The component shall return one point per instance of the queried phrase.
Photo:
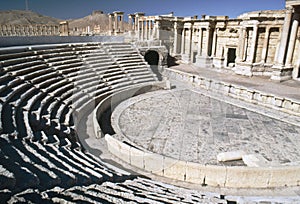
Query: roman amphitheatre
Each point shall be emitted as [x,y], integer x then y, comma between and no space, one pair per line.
[157,109]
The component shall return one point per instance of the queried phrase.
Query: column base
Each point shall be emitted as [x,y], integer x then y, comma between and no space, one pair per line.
[243,68]
[296,73]
[202,61]
[218,62]
[186,58]
[281,73]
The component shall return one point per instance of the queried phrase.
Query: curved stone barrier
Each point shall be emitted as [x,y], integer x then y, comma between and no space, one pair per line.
[218,176]
[284,104]
[111,101]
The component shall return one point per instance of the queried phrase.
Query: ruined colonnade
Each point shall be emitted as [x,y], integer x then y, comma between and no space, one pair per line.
[29,30]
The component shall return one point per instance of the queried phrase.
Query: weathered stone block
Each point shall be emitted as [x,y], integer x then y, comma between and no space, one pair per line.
[118,148]
[287,104]
[174,169]
[264,98]
[296,107]
[137,158]
[247,177]
[269,100]
[124,152]
[194,173]
[112,145]
[208,83]
[255,160]
[257,96]
[226,88]
[216,86]
[202,82]
[278,101]
[230,156]
[246,94]
[234,91]
[214,175]
[285,176]
[154,163]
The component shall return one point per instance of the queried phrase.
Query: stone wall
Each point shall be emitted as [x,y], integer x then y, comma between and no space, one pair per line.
[39,40]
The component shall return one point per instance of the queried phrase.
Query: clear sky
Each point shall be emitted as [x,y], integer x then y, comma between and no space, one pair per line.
[66,9]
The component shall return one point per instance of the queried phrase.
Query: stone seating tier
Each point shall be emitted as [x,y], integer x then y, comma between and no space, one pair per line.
[42,89]
[1,128]
[50,164]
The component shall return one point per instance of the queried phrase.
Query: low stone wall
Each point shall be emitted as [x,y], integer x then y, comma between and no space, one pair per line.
[110,102]
[197,173]
[38,40]
[287,105]
[218,176]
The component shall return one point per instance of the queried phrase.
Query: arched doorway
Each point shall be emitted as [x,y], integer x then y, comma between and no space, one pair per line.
[152,57]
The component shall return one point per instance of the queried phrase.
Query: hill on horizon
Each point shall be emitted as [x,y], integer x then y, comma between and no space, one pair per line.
[22,17]
[97,18]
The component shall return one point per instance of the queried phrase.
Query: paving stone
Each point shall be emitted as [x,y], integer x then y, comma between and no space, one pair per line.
[189,125]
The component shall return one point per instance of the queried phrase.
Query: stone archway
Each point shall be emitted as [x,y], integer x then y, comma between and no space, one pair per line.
[153,59]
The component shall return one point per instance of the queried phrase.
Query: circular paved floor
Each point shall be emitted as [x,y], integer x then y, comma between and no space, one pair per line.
[189,126]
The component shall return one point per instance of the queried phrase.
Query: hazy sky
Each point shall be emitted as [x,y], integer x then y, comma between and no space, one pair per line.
[66,9]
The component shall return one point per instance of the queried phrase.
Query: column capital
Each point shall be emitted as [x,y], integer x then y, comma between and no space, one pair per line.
[289,9]
[188,26]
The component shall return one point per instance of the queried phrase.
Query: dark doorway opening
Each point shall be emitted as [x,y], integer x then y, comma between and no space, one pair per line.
[152,57]
[231,55]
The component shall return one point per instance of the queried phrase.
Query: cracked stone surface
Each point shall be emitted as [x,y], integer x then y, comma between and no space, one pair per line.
[187,125]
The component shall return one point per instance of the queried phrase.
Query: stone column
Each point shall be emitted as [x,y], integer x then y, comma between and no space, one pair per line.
[183,41]
[292,41]
[242,40]
[130,21]
[281,73]
[175,38]
[157,24]
[149,29]
[142,32]
[136,24]
[146,29]
[208,29]
[253,44]
[199,53]
[110,24]
[121,22]
[265,45]
[186,57]
[133,23]
[214,44]
[192,44]
[284,36]
[116,23]
[190,32]
[64,28]
[138,27]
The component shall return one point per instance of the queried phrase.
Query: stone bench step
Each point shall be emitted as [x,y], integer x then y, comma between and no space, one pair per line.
[20,66]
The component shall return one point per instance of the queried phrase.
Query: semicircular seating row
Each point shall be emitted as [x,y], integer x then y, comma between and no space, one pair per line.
[40,89]
[41,158]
